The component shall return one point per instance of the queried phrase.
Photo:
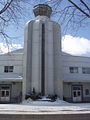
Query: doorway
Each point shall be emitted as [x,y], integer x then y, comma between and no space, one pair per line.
[5,95]
[77,93]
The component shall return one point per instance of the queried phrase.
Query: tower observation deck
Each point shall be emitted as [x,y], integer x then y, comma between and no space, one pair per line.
[42,10]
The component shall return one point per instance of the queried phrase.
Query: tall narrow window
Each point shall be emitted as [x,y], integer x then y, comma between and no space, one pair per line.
[43,60]
[86,91]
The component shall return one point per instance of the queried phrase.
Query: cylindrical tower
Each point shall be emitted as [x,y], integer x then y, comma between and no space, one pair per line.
[42,54]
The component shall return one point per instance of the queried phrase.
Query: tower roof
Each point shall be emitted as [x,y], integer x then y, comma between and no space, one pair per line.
[42,10]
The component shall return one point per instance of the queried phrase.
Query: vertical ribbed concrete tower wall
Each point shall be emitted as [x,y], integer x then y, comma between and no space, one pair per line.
[42,54]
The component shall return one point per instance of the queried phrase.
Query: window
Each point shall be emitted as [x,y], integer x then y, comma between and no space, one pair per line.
[79,93]
[73,69]
[74,94]
[3,94]
[76,87]
[87,92]
[86,70]
[8,69]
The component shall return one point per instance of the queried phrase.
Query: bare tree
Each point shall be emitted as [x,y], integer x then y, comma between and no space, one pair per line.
[11,14]
[73,15]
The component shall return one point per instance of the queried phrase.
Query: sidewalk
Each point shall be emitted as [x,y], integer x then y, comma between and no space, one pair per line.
[41,107]
[37,110]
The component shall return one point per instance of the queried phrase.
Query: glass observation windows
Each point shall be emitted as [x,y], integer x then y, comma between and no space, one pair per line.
[86,70]
[8,69]
[73,69]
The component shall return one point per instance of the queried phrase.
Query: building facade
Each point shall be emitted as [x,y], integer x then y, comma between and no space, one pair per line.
[76,78]
[42,66]
[11,77]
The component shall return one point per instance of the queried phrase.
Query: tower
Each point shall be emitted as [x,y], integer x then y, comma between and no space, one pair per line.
[42,54]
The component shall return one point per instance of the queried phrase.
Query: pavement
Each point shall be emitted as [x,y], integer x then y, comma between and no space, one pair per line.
[45,109]
[46,112]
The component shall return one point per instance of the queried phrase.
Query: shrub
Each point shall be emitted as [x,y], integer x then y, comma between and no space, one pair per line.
[52,97]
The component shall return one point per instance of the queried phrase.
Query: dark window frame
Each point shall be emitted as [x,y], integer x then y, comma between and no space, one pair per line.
[86,70]
[73,69]
[8,69]
[87,91]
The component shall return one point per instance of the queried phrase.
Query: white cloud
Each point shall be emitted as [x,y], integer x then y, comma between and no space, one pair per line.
[75,45]
[70,44]
[49,0]
[4,47]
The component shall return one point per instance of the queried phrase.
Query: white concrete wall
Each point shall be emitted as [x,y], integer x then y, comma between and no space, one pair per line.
[58,83]
[49,58]
[12,59]
[86,86]
[75,61]
[32,57]
[67,90]
[16,89]
[36,56]
[27,61]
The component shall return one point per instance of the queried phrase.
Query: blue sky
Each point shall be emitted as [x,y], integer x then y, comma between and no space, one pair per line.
[80,41]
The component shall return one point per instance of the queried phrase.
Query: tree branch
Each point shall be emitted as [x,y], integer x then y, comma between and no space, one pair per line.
[6,7]
[3,19]
[88,15]
[85,5]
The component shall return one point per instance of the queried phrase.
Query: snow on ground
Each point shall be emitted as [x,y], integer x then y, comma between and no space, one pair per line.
[44,101]
[35,107]
[58,105]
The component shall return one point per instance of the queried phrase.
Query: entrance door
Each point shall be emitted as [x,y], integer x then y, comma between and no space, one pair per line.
[5,95]
[76,93]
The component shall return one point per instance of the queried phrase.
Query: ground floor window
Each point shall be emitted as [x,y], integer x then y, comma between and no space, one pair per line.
[5,95]
[86,91]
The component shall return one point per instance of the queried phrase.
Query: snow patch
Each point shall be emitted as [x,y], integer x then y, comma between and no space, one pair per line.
[44,101]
